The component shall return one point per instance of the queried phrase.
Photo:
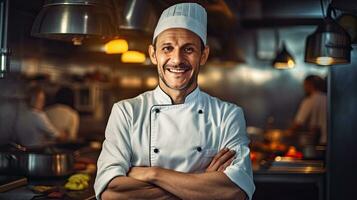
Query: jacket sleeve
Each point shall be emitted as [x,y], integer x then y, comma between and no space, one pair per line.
[114,159]
[74,125]
[240,170]
[45,126]
[304,111]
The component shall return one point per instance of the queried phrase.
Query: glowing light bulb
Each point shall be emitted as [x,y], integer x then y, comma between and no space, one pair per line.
[116,46]
[133,57]
[324,60]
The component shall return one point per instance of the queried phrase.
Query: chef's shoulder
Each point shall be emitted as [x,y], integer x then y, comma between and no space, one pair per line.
[225,109]
[135,104]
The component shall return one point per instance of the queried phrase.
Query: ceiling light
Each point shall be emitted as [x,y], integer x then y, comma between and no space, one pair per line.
[133,57]
[330,44]
[283,59]
[116,46]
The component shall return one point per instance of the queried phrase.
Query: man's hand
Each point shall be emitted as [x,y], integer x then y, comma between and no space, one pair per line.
[193,186]
[123,187]
[142,173]
[221,161]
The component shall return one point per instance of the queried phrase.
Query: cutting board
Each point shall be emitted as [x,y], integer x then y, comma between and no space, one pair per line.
[11,182]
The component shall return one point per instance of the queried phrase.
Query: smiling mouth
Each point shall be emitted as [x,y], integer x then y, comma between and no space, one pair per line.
[177,70]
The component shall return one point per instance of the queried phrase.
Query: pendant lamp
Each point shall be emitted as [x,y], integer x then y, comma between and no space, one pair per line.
[330,44]
[283,58]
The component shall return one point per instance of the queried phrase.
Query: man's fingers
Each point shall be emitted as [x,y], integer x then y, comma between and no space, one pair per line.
[217,156]
[224,158]
[220,159]
[226,164]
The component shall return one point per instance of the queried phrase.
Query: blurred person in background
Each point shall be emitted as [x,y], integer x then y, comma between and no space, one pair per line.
[312,113]
[63,115]
[33,128]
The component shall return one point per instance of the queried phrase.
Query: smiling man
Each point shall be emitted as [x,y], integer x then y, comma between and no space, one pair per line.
[176,142]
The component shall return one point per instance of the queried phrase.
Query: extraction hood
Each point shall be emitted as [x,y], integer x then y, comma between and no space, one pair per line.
[75,20]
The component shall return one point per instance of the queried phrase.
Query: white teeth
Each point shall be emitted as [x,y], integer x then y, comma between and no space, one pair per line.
[177,70]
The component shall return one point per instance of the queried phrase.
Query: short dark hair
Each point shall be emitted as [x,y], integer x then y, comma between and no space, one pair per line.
[317,82]
[65,95]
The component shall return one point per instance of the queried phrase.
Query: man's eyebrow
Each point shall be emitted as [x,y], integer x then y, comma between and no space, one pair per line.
[166,43]
[189,44]
[169,43]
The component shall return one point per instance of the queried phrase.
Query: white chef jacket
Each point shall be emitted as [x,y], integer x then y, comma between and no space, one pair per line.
[313,113]
[149,130]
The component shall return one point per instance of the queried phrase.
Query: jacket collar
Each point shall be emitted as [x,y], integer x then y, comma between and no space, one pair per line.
[163,98]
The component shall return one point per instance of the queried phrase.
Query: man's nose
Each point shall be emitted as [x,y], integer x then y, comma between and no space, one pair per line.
[176,57]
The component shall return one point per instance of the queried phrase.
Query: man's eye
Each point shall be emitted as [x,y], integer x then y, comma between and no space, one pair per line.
[167,49]
[189,50]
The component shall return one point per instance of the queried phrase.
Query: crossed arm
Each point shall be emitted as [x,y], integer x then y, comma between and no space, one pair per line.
[159,183]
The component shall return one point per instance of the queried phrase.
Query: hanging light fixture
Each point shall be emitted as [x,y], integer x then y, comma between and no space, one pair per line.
[283,58]
[133,57]
[330,44]
[116,46]
[74,20]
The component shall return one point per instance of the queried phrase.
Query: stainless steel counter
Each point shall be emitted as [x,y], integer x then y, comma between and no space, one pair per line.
[314,176]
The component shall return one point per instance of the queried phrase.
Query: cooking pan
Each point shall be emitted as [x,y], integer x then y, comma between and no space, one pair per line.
[46,161]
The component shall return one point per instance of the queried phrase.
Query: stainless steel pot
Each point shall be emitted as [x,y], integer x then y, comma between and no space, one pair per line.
[38,162]
[43,164]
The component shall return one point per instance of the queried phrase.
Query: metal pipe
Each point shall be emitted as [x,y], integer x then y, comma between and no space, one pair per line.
[4,51]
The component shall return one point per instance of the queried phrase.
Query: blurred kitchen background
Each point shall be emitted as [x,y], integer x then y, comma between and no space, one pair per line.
[245,37]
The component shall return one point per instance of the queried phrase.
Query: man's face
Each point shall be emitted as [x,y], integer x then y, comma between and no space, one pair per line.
[178,57]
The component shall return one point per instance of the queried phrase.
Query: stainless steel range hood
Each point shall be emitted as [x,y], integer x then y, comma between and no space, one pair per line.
[75,19]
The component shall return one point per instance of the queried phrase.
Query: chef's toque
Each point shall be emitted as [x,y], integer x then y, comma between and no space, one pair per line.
[190,16]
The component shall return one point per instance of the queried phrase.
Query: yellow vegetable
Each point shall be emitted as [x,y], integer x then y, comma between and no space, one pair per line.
[77,182]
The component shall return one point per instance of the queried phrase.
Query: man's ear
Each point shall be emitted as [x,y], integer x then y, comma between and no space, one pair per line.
[152,54]
[204,55]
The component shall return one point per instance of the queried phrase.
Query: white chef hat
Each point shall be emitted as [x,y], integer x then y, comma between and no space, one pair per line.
[190,16]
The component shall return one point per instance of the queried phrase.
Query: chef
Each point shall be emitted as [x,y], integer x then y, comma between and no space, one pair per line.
[312,113]
[176,142]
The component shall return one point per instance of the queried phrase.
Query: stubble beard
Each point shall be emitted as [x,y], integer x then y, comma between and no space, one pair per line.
[192,80]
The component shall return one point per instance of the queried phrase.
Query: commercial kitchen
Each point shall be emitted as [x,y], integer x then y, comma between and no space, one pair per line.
[261,51]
